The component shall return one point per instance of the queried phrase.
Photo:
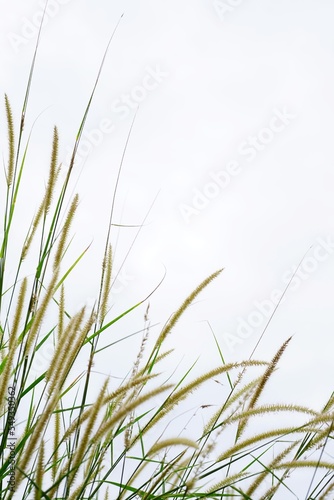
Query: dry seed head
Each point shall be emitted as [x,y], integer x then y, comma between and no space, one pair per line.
[163,475]
[261,477]
[107,399]
[146,312]
[78,457]
[328,490]
[167,443]
[126,409]
[329,404]
[169,470]
[206,452]
[53,171]
[70,355]
[61,312]
[32,231]
[262,383]
[142,380]
[176,316]
[137,389]
[268,373]
[242,445]
[272,490]
[40,472]
[41,425]
[19,310]
[322,435]
[186,390]
[107,271]
[65,231]
[225,482]
[12,342]
[40,313]
[304,464]
[227,404]
[275,408]
[176,397]
[63,347]
[135,370]
[74,425]
[95,459]
[11,142]
[56,442]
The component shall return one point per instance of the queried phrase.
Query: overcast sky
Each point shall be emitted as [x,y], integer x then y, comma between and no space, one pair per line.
[233,139]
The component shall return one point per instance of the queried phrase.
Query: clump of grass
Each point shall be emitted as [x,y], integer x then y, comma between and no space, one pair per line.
[59,441]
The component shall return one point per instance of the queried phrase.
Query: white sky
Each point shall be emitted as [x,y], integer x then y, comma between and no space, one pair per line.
[224,79]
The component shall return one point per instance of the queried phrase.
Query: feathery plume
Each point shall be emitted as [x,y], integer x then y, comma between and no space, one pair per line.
[63,346]
[11,142]
[107,270]
[262,383]
[40,472]
[4,379]
[176,316]
[261,477]
[32,231]
[77,459]
[126,409]
[56,443]
[61,313]
[65,230]
[176,397]
[52,172]
[41,311]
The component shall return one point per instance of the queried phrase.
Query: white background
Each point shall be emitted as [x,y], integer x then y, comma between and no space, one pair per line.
[227,74]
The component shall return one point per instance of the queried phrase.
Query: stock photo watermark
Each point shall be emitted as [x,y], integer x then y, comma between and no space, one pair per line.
[248,149]
[121,108]
[225,7]
[263,309]
[30,26]
[11,436]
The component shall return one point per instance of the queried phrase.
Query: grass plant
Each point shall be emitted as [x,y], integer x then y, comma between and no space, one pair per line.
[62,439]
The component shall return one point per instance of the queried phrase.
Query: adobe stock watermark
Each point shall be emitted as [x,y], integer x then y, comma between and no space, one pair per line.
[11,436]
[223,7]
[121,281]
[29,27]
[121,108]
[263,309]
[249,149]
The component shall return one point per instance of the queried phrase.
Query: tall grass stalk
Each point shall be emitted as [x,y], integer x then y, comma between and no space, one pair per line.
[63,439]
